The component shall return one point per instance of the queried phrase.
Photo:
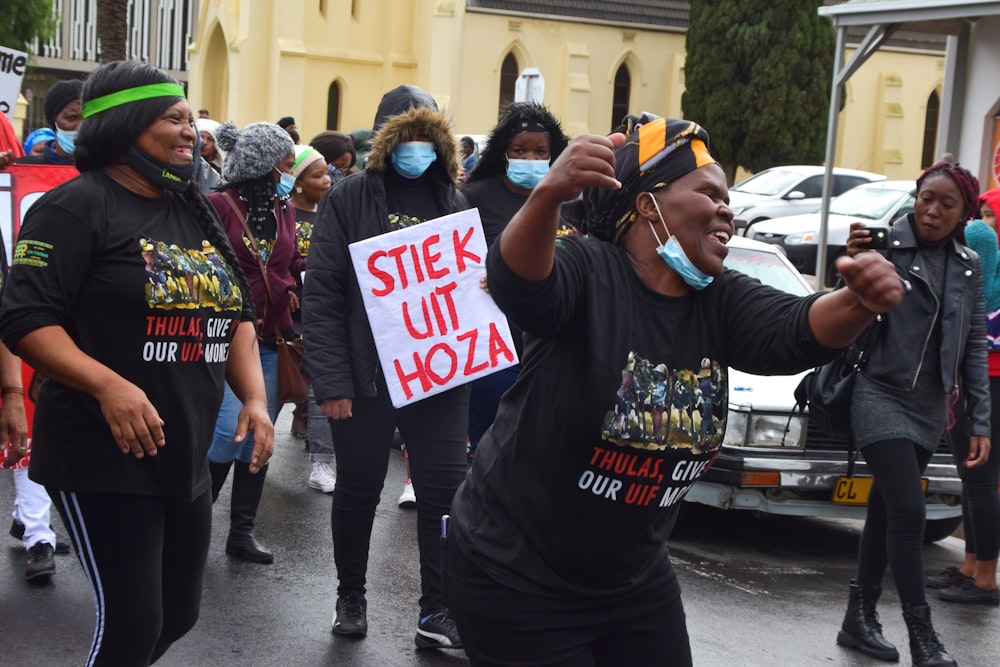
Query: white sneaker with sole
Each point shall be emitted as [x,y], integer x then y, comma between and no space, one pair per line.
[408,499]
[322,477]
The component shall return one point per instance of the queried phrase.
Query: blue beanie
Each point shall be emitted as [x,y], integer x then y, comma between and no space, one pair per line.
[980,237]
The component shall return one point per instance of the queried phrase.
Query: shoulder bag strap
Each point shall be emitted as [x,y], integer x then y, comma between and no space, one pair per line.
[263,267]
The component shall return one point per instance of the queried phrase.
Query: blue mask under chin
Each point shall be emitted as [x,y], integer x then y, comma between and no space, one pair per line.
[412,158]
[673,254]
[66,140]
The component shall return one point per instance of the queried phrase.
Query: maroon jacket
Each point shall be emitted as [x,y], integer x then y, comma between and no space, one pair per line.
[283,263]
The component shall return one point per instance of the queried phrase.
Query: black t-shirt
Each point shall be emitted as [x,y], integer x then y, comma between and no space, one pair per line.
[496,202]
[620,406]
[137,287]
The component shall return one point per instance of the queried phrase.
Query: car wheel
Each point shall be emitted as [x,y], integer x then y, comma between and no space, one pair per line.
[938,529]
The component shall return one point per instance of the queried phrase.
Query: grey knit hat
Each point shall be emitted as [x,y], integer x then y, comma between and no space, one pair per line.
[252,152]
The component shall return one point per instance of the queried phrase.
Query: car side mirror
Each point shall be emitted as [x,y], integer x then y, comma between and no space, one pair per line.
[795,194]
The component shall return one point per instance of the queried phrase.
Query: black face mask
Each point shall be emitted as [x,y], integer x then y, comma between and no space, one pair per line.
[175,177]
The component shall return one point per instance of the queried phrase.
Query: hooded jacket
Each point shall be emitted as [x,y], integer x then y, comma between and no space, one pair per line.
[341,358]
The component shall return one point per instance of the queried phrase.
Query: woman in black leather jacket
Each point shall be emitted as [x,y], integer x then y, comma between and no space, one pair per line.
[916,354]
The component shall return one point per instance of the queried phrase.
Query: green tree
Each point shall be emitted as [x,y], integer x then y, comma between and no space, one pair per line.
[757,77]
[23,21]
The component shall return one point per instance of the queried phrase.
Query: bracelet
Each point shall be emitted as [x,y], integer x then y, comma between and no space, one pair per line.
[11,390]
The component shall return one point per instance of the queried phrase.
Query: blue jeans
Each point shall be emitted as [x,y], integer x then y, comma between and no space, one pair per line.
[320,437]
[224,449]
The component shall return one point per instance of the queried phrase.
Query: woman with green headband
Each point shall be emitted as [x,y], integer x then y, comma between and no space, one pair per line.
[556,545]
[126,294]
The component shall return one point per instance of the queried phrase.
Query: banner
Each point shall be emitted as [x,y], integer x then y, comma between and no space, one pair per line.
[21,185]
[434,326]
[12,66]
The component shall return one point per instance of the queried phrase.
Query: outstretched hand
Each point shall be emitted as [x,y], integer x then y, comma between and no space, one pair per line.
[873,281]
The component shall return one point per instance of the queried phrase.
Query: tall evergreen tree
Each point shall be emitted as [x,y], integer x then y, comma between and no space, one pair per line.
[112,28]
[22,21]
[757,77]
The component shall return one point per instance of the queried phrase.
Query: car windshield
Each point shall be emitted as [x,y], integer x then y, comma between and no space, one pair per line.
[767,268]
[868,203]
[769,183]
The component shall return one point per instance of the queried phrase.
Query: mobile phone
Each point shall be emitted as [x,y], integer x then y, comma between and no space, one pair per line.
[879,238]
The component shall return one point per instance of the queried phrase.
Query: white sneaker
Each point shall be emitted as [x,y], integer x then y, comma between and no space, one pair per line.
[408,499]
[322,477]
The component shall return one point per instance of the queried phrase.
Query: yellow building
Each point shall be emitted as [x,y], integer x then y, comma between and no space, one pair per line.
[328,62]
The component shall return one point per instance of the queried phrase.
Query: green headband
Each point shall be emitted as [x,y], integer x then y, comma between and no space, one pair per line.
[302,157]
[99,104]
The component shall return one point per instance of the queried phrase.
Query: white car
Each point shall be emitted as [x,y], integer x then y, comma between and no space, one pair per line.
[874,204]
[790,190]
[771,461]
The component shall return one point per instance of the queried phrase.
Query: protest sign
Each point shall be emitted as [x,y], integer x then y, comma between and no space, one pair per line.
[21,185]
[12,66]
[434,326]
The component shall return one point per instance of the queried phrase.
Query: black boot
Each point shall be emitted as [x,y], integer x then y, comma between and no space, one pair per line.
[247,489]
[861,629]
[219,472]
[925,647]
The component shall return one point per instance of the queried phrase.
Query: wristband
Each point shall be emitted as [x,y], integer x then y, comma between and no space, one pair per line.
[11,390]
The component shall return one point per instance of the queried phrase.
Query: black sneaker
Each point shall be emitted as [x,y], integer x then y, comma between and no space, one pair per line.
[41,563]
[967,592]
[438,631]
[17,532]
[946,578]
[351,618]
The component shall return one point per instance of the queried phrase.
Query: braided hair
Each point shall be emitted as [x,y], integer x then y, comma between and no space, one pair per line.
[968,185]
[259,196]
[517,118]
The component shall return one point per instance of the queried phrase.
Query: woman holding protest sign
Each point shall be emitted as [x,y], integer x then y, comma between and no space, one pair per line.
[260,222]
[411,177]
[556,547]
[114,296]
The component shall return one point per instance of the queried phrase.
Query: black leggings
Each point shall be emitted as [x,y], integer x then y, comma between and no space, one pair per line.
[144,557]
[893,535]
[980,498]
[434,430]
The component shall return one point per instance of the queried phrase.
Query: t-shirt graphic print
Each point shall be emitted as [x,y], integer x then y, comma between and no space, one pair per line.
[188,278]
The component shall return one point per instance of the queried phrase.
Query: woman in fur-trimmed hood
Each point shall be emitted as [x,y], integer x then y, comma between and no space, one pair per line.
[411,177]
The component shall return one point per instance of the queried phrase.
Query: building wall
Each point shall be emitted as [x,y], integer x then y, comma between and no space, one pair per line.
[262,59]
[980,136]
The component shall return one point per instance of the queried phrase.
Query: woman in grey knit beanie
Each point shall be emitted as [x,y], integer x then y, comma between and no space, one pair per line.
[260,223]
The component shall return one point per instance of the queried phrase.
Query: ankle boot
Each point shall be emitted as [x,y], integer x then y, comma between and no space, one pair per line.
[861,629]
[925,647]
[247,489]
[219,472]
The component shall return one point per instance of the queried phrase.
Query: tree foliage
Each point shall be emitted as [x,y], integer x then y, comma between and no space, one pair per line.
[757,77]
[23,21]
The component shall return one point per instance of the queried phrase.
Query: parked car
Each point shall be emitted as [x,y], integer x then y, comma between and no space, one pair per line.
[790,190]
[773,461]
[875,204]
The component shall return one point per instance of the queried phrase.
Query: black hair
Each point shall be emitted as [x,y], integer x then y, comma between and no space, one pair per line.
[333,144]
[259,196]
[105,137]
[493,161]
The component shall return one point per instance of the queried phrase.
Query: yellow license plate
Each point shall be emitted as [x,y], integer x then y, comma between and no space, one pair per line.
[855,490]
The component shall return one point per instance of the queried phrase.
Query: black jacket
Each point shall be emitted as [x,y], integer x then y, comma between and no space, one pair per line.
[340,357]
[896,350]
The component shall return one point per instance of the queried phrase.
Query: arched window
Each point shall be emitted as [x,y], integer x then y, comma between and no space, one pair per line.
[620,96]
[333,107]
[930,130]
[508,80]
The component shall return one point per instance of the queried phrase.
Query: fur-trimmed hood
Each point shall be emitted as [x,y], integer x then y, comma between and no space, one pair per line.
[406,111]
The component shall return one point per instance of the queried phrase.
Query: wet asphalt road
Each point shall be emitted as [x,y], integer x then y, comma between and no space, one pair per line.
[758,592]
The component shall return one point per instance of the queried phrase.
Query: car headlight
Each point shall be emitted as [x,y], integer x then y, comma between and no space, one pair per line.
[799,238]
[771,431]
[777,431]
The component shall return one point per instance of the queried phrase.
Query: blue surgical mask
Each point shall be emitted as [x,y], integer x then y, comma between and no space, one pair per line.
[673,254]
[66,140]
[412,158]
[285,183]
[526,173]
